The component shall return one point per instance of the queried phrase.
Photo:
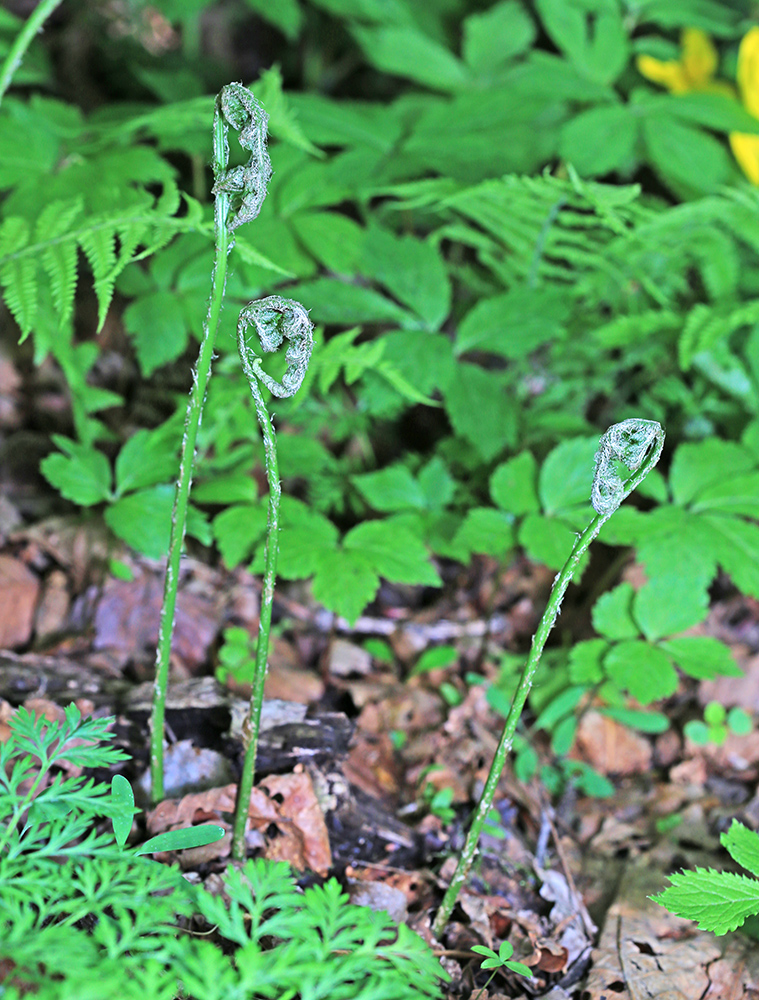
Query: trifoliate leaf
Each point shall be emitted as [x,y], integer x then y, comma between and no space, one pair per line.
[437,484]
[586,661]
[147,458]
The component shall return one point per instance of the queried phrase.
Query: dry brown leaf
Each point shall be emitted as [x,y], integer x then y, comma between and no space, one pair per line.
[19,590]
[301,807]
[610,747]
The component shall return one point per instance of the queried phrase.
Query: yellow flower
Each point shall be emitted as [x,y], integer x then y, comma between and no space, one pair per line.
[694,70]
[746,147]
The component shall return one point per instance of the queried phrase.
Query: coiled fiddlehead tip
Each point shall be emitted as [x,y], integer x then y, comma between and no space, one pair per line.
[276,319]
[629,443]
[238,108]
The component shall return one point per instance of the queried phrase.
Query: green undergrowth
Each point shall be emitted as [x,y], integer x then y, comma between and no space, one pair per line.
[82,916]
[508,239]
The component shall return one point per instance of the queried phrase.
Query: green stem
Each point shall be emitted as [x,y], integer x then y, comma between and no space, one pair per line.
[23,40]
[638,444]
[253,722]
[184,483]
[275,319]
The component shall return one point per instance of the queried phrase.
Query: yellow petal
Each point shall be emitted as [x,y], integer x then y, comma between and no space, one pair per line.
[748,71]
[699,57]
[670,74]
[746,151]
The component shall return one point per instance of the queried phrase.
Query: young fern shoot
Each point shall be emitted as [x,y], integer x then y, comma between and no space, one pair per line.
[636,444]
[275,319]
[239,193]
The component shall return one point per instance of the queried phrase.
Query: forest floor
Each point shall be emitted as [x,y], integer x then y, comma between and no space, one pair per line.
[368,766]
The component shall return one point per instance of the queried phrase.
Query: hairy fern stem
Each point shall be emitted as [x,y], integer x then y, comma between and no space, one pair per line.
[23,40]
[636,444]
[274,319]
[239,193]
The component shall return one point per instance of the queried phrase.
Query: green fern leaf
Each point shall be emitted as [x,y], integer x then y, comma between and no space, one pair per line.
[18,273]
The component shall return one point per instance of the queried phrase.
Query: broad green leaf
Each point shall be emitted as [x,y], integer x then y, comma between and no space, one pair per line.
[686,157]
[412,270]
[586,661]
[566,476]
[696,467]
[548,540]
[180,840]
[735,545]
[238,529]
[736,495]
[122,800]
[392,552]
[515,323]
[591,33]
[481,410]
[612,613]
[284,14]
[390,489]
[702,657]
[147,458]
[496,35]
[714,111]
[143,521]
[486,531]
[345,583]
[743,846]
[408,53]
[436,483]
[335,240]
[82,474]
[331,301]
[305,538]
[601,140]
[717,901]
[643,670]
[644,722]
[513,484]
[156,323]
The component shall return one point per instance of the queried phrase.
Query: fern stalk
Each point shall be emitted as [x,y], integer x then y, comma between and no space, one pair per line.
[274,318]
[239,193]
[23,40]
[637,444]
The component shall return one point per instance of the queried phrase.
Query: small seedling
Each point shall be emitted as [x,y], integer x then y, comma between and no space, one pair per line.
[502,960]
[716,724]
[635,445]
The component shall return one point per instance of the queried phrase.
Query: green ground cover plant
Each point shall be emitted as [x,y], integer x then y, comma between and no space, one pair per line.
[534,221]
[82,915]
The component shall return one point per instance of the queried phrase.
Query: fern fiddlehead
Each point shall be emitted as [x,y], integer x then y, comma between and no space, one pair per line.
[238,195]
[275,320]
[637,444]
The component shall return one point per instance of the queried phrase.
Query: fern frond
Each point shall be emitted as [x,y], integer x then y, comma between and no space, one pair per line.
[109,241]
[18,273]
